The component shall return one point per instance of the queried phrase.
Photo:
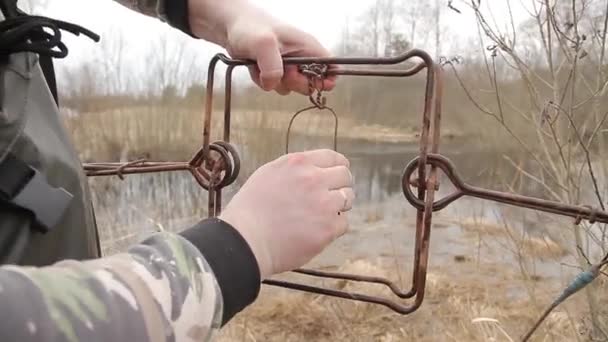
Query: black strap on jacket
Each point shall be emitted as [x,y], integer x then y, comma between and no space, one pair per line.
[21,32]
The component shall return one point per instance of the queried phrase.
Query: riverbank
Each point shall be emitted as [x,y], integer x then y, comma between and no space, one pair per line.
[167,134]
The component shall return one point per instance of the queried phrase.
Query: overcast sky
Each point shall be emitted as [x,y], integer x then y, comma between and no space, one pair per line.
[322,18]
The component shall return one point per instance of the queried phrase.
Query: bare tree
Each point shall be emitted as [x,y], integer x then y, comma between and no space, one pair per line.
[374,33]
[413,12]
[374,26]
[170,62]
[437,20]
[559,120]
[415,20]
[110,63]
[387,10]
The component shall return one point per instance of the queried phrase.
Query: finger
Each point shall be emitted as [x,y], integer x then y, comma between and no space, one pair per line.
[282,89]
[295,80]
[341,225]
[342,199]
[301,44]
[298,82]
[325,158]
[337,177]
[269,61]
[329,83]
[254,72]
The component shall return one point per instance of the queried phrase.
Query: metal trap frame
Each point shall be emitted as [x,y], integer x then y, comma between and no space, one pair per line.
[218,170]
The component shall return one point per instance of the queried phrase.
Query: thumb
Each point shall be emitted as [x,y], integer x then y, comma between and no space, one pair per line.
[269,60]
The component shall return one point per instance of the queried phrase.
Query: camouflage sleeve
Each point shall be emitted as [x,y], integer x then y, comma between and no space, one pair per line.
[153,8]
[163,289]
[173,12]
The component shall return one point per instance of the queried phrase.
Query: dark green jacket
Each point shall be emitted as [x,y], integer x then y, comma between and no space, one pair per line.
[31,131]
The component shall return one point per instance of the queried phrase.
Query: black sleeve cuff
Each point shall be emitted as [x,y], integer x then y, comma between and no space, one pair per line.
[231,259]
[176,12]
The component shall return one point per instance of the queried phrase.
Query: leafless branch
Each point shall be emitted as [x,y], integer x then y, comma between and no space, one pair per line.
[587,155]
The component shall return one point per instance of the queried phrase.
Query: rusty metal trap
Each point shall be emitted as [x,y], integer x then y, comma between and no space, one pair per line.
[218,170]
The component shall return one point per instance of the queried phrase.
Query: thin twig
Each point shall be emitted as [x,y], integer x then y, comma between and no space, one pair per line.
[495,116]
[532,177]
[565,162]
[601,89]
[603,48]
[587,157]
[580,281]
[496,89]
[468,93]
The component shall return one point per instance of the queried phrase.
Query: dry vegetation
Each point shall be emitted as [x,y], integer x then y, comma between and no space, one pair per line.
[125,133]
[473,307]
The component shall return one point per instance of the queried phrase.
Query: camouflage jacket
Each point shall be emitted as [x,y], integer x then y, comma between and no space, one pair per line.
[173,12]
[171,287]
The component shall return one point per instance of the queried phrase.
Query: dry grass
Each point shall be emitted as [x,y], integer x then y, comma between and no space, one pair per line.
[480,226]
[542,247]
[127,133]
[463,309]
[373,215]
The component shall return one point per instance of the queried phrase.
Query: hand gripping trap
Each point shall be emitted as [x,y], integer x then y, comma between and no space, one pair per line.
[215,171]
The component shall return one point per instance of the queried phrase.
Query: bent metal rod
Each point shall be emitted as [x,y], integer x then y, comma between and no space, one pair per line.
[216,165]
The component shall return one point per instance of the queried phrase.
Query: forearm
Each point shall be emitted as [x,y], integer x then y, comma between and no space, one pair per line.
[169,287]
[173,12]
[204,19]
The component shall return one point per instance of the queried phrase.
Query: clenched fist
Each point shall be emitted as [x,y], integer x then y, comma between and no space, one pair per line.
[292,208]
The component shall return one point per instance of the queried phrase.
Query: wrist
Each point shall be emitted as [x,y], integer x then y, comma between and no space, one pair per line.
[241,224]
[232,261]
[211,19]
[175,13]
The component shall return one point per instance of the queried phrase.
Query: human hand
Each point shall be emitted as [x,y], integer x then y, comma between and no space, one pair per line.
[290,209]
[248,32]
